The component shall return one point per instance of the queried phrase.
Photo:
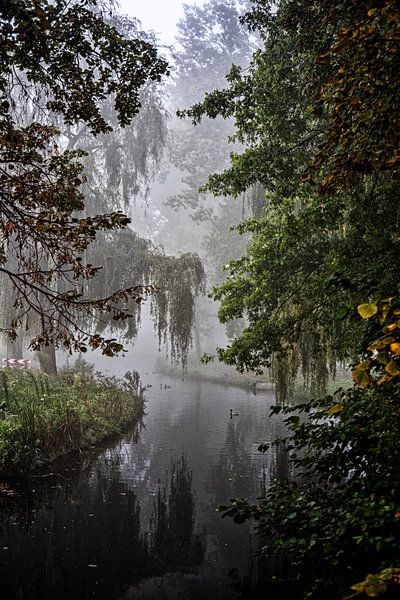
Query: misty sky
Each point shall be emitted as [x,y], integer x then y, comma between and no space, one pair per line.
[159,15]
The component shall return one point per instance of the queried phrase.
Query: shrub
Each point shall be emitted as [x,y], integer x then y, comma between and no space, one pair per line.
[44,417]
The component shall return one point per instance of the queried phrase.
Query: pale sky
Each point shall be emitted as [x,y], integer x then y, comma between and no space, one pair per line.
[159,15]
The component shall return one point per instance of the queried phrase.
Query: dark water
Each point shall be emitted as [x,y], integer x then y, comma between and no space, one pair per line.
[139,520]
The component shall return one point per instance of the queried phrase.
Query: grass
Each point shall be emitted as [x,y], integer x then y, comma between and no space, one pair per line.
[43,418]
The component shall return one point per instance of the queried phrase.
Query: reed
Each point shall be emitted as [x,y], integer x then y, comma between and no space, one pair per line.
[43,418]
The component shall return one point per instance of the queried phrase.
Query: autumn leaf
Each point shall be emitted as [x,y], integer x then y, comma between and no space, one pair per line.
[335,409]
[395,348]
[392,369]
[367,311]
[391,327]
[361,375]
[383,358]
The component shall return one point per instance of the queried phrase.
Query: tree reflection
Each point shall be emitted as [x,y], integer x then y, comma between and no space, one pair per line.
[280,467]
[234,473]
[83,538]
[173,542]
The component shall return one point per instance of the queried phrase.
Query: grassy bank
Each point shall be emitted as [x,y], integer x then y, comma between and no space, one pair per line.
[43,418]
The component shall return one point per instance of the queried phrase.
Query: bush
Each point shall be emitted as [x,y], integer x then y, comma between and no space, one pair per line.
[338,517]
[45,417]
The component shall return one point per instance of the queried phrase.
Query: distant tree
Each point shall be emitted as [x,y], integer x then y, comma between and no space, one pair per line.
[210,39]
[65,70]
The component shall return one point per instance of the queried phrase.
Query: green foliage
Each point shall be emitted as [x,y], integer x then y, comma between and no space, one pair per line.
[377,584]
[45,417]
[270,116]
[312,259]
[60,62]
[316,111]
[339,513]
[278,287]
[76,56]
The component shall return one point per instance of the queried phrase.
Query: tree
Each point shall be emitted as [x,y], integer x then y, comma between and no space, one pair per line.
[317,112]
[312,259]
[60,64]
[210,39]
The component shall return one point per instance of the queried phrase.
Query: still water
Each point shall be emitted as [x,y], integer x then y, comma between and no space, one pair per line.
[138,520]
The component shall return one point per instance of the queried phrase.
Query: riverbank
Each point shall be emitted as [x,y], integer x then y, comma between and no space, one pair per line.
[215,372]
[43,418]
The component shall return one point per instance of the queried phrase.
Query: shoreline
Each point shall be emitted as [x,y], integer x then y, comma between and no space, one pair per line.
[44,419]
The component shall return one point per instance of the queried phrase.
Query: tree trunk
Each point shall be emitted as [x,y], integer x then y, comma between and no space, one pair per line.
[14,348]
[47,359]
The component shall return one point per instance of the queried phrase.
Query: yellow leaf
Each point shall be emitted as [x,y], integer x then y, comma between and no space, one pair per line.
[391,327]
[395,348]
[367,310]
[361,377]
[392,369]
[335,409]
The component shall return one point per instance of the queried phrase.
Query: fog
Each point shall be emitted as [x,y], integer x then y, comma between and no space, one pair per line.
[153,170]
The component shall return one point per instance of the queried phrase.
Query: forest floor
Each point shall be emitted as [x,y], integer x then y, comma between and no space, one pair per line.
[43,418]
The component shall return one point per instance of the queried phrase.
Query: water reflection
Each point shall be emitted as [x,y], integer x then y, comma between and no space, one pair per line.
[88,541]
[235,472]
[139,520]
[173,544]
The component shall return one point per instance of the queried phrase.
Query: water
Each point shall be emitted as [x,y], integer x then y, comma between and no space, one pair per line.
[139,520]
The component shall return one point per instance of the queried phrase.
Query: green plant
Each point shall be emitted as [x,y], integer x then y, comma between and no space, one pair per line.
[46,417]
[338,517]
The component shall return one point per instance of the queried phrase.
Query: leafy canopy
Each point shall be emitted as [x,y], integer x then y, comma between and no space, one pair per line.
[317,111]
[59,62]
[328,239]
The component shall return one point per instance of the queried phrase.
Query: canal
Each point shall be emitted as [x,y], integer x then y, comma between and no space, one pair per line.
[138,520]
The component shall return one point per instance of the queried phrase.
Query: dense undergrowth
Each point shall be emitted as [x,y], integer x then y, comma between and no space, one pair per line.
[336,520]
[43,418]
